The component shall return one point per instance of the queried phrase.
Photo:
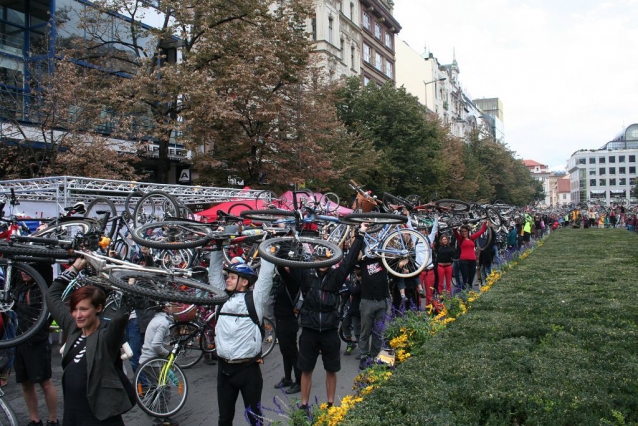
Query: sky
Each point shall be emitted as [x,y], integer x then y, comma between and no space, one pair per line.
[566,71]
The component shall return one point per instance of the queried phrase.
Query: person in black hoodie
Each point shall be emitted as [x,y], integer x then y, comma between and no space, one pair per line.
[320,318]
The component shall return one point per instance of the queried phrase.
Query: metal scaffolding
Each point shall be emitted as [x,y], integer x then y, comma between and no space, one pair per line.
[67,190]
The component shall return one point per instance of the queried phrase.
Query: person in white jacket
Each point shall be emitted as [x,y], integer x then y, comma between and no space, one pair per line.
[238,338]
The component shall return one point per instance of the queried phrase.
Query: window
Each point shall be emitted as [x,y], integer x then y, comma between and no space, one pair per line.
[621,158]
[612,182]
[602,182]
[622,181]
[612,158]
[592,172]
[581,161]
[352,56]
[330,21]
[377,30]
[601,171]
[366,21]
[592,160]
[592,182]
[388,40]
[632,158]
[314,29]
[366,81]
[367,52]
[388,69]
[352,11]
[342,46]
[340,5]
[632,170]
[601,160]
[612,170]
[621,170]
[378,64]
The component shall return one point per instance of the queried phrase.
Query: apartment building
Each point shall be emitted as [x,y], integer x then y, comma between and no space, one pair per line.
[606,174]
[378,45]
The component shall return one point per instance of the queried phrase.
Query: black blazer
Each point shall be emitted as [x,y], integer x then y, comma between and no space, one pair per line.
[105,391]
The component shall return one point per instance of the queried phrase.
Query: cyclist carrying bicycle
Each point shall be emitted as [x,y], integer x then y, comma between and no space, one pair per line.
[237,337]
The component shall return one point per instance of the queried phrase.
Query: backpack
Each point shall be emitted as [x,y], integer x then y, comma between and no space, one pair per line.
[252,312]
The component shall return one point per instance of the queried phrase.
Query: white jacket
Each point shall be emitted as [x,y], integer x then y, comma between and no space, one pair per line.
[239,337]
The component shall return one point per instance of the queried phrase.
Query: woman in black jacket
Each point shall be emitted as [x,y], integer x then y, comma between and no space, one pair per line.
[94,393]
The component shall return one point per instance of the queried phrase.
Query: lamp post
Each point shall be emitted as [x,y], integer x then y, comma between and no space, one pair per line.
[425,85]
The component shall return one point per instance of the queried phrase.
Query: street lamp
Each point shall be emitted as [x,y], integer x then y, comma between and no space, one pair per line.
[425,85]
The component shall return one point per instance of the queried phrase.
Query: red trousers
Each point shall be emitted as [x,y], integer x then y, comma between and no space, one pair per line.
[445,278]
[427,281]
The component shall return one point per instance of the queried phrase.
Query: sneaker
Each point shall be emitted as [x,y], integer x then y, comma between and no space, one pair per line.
[167,421]
[349,349]
[284,383]
[55,423]
[295,388]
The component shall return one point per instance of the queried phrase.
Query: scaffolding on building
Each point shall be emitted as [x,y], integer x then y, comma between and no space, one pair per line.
[68,190]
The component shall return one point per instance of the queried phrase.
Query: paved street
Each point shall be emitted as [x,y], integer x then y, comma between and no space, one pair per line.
[201,404]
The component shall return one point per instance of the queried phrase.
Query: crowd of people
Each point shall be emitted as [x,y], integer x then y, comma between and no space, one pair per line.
[305,304]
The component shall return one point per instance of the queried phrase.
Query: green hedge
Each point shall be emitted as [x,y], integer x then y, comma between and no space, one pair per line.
[554,342]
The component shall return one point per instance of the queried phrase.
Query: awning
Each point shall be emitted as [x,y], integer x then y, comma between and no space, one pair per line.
[597,191]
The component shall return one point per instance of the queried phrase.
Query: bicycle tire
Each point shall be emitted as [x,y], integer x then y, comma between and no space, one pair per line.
[329,202]
[398,246]
[159,286]
[156,398]
[131,201]
[103,204]
[67,229]
[486,239]
[376,218]
[268,198]
[29,316]
[494,216]
[249,249]
[397,200]
[173,234]
[270,337]
[295,250]
[452,204]
[342,335]
[266,215]
[121,248]
[339,234]
[33,251]
[207,339]
[7,416]
[191,352]
[155,206]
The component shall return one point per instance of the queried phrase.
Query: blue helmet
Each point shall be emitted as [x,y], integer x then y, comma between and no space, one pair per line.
[243,271]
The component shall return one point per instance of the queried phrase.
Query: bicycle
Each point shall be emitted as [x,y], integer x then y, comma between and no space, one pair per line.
[7,416]
[161,385]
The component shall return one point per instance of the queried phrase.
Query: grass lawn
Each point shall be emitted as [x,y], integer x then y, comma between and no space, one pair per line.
[554,342]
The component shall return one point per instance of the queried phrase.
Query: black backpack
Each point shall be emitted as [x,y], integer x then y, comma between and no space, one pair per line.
[252,312]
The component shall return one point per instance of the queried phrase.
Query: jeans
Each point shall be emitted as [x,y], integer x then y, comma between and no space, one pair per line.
[372,321]
[456,273]
[135,341]
[468,272]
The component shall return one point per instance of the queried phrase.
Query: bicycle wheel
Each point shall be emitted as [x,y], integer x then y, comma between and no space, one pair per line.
[67,228]
[329,202]
[7,416]
[131,201]
[339,233]
[297,252]
[207,339]
[23,304]
[494,216]
[176,259]
[404,253]
[451,204]
[156,206]
[173,234]
[191,352]
[32,251]
[161,387]
[236,209]
[266,198]
[247,250]
[103,205]
[121,248]
[486,240]
[266,215]
[376,218]
[270,337]
[159,286]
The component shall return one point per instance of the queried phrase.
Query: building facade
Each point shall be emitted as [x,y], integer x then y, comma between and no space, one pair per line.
[338,37]
[607,174]
[378,42]
[541,173]
[493,109]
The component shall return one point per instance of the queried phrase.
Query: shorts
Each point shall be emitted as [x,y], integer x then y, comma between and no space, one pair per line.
[526,237]
[312,342]
[33,362]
